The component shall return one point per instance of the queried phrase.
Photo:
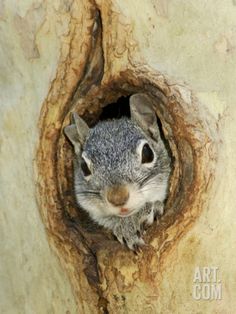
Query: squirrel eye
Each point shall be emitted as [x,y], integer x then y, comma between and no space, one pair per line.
[85,168]
[147,154]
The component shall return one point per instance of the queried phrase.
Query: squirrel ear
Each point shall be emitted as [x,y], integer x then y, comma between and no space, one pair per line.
[142,112]
[81,126]
[77,132]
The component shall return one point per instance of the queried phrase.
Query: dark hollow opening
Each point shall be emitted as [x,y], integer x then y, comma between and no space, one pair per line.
[116,110]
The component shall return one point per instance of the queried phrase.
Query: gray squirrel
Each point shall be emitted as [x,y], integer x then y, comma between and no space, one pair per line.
[121,170]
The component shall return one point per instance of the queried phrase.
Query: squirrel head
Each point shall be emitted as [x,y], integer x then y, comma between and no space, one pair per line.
[120,164]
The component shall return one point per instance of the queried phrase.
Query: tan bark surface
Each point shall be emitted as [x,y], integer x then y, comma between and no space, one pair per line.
[59,56]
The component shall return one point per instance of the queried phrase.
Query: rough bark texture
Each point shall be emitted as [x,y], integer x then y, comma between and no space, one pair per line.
[81,55]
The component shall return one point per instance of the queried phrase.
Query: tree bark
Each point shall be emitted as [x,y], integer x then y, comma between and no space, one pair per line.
[59,57]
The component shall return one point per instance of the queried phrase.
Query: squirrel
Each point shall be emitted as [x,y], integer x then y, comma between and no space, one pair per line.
[121,170]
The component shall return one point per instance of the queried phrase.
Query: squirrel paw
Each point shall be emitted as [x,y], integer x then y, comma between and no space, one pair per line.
[135,243]
[128,232]
[149,214]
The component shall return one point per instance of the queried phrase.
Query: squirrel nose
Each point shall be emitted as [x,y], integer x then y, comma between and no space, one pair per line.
[117,195]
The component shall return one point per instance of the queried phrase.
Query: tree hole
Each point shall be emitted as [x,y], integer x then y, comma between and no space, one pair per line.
[186,135]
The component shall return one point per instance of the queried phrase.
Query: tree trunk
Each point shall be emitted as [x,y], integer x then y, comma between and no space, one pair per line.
[64,56]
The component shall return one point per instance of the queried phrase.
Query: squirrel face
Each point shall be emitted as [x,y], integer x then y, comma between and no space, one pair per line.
[120,164]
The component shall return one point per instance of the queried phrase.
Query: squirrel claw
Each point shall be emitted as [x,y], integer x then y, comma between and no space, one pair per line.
[134,244]
[138,247]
